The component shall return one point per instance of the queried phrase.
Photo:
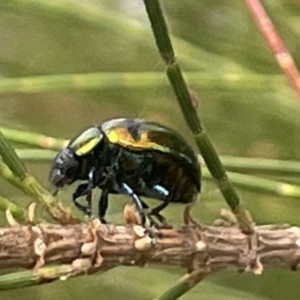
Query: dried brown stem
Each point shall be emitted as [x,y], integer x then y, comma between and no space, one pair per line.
[282,55]
[94,247]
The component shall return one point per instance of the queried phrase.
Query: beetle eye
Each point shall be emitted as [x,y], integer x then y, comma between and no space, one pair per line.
[86,142]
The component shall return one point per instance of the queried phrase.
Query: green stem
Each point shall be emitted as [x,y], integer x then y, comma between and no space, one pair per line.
[16,211]
[231,163]
[138,80]
[32,188]
[36,155]
[256,184]
[183,96]
[33,139]
[185,102]
[248,182]
[262,166]
[8,175]
[28,278]
[185,284]
[10,157]
[100,17]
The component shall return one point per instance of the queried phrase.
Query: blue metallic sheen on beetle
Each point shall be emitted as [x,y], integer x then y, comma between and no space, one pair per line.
[133,157]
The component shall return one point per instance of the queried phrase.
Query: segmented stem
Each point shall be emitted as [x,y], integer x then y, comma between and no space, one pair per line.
[186,103]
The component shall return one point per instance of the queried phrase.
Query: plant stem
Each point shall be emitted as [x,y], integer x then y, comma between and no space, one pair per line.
[134,80]
[262,166]
[17,174]
[187,106]
[99,17]
[16,211]
[28,278]
[273,40]
[185,284]
[256,184]
[10,157]
[235,164]
[36,155]
[33,139]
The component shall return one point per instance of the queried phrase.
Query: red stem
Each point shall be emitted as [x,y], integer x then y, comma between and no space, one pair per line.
[282,55]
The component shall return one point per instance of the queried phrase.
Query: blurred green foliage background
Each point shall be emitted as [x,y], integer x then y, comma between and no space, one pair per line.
[246,104]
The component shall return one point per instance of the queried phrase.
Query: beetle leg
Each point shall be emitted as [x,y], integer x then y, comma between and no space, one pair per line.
[145,206]
[138,203]
[89,188]
[161,193]
[88,200]
[82,190]
[152,221]
[102,205]
[156,211]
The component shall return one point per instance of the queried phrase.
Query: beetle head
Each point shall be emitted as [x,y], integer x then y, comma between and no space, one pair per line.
[74,162]
[64,169]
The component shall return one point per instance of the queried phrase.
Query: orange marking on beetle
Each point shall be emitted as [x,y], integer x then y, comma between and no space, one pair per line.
[123,137]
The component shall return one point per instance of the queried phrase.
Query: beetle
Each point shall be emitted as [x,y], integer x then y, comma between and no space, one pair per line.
[128,156]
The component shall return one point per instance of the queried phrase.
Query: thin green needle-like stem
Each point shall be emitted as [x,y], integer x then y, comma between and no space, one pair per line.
[28,278]
[10,157]
[36,155]
[257,184]
[186,103]
[134,80]
[16,211]
[47,274]
[9,176]
[261,166]
[100,17]
[185,284]
[33,139]
[32,188]
[235,164]
[17,174]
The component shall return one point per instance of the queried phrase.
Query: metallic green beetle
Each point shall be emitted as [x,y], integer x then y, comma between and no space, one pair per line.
[132,157]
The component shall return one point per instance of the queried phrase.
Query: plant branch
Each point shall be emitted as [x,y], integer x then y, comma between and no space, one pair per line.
[95,247]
